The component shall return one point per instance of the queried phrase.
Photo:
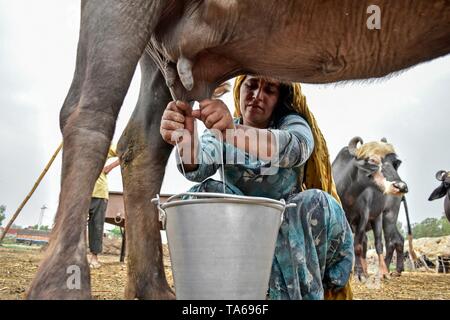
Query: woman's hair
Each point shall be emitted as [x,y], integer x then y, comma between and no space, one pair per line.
[284,104]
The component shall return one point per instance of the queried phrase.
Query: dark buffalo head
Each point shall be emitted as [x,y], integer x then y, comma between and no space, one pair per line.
[377,164]
[444,188]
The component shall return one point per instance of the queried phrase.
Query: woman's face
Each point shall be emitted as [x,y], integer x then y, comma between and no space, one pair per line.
[258,98]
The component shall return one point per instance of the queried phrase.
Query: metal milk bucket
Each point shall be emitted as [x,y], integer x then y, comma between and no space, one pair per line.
[221,246]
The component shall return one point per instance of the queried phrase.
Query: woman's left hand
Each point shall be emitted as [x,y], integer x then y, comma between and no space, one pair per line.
[215,115]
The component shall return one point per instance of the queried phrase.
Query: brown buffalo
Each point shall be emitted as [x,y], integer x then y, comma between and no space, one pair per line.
[196,45]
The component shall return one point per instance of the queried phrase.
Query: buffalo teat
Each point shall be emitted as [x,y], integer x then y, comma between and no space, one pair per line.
[184,67]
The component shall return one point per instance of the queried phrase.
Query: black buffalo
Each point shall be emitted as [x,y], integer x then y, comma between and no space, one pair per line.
[443,190]
[365,178]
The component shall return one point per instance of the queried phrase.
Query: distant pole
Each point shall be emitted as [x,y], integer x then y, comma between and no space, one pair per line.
[36,184]
[41,216]
[412,253]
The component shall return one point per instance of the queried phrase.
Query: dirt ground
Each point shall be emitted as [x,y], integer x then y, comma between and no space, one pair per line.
[18,264]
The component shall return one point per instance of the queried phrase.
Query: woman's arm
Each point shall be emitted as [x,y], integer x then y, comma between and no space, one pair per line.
[295,141]
[288,146]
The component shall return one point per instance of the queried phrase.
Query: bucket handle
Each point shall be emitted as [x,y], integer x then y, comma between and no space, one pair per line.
[162,214]
[229,196]
[286,205]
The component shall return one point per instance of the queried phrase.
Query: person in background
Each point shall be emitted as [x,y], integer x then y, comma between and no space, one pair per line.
[97,209]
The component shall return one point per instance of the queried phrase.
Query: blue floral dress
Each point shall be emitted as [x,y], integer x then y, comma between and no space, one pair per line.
[314,248]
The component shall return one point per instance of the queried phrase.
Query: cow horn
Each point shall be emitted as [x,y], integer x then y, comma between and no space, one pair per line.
[353,144]
[384,140]
[440,175]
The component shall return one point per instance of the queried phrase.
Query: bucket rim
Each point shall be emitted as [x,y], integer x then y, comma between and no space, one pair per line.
[224,198]
[221,198]
[178,203]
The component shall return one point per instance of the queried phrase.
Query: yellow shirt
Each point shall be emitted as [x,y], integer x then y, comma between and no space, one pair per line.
[101,186]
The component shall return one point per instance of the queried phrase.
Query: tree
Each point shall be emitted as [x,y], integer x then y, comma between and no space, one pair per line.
[445,226]
[36,227]
[115,232]
[2,213]
[431,227]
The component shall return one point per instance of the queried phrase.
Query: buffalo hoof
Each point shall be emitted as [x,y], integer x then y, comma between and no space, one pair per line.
[362,278]
[162,296]
[60,278]
[385,276]
[159,296]
[168,296]
[396,274]
[151,295]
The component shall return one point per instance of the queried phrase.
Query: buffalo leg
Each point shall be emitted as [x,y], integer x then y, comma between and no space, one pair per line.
[390,248]
[396,243]
[399,247]
[365,271]
[360,233]
[393,239]
[109,48]
[143,159]
[377,228]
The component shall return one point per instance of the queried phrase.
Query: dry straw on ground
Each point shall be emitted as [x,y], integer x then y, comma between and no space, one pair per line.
[18,265]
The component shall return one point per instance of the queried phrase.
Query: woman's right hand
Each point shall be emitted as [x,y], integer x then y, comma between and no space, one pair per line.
[177,116]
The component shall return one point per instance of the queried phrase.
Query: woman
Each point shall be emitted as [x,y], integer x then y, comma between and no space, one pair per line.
[314,250]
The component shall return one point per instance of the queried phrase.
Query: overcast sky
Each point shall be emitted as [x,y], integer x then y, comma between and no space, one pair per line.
[38,42]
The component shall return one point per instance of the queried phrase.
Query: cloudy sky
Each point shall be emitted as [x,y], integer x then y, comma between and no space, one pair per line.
[38,42]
